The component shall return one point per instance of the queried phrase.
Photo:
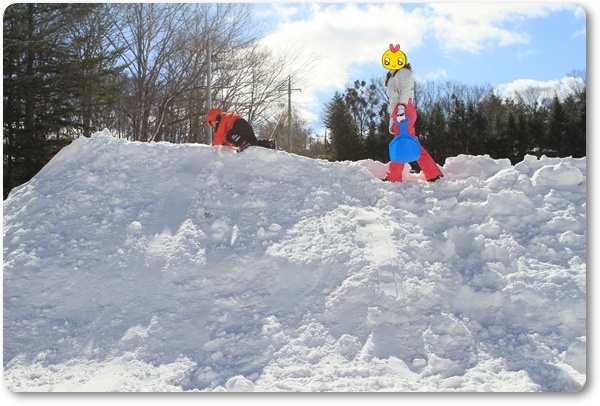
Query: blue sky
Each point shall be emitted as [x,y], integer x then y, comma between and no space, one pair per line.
[473,43]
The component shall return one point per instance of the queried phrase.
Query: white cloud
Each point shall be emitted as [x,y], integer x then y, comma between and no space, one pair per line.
[540,90]
[342,38]
[526,54]
[472,27]
[345,36]
[339,39]
[433,76]
[581,32]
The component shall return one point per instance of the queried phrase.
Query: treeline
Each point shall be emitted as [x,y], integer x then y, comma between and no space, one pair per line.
[139,69]
[456,119]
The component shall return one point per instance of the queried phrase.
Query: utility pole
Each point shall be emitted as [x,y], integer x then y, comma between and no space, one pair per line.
[209,87]
[290,111]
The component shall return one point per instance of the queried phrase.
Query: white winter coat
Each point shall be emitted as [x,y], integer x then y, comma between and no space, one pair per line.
[400,87]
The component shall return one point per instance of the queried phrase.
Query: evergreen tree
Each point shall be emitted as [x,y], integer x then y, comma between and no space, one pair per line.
[457,135]
[580,129]
[379,137]
[371,118]
[44,74]
[494,142]
[94,68]
[511,138]
[476,130]
[557,135]
[346,142]
[534,132]
[523,145]
[575,128]
[433,133]
[30,39]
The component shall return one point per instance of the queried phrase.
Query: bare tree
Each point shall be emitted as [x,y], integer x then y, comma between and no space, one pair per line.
[166,52]
[437,94]
[146,32]
[531,98]
[253,80]
[276,129]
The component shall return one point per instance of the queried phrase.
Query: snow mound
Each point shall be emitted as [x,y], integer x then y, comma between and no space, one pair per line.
[159,267]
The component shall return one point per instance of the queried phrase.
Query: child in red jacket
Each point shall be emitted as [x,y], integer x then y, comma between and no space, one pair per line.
[231,130]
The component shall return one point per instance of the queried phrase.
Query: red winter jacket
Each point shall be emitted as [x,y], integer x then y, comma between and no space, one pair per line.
[223,126]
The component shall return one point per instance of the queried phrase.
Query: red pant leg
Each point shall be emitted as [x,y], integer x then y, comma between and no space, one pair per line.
[428,166]
[394,172]
[426,162]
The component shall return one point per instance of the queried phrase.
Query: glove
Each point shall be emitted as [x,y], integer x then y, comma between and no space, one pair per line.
[400,116]
[393,125]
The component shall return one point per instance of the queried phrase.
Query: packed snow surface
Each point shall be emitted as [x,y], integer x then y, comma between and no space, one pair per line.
[135,266]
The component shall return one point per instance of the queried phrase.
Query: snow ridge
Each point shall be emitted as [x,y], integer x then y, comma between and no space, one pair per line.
[158,267]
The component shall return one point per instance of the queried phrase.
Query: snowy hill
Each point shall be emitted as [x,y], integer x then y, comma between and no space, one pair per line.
[158,267]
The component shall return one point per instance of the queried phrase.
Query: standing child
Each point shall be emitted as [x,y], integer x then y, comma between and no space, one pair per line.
[401,93]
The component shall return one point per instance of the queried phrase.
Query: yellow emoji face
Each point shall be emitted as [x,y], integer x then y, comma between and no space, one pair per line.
[393,58]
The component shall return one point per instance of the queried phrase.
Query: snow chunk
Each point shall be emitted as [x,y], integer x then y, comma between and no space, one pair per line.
[576,355]
[560,175]
[103,133]
[239,384]
[134,226]
[481,167]
[275,227]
